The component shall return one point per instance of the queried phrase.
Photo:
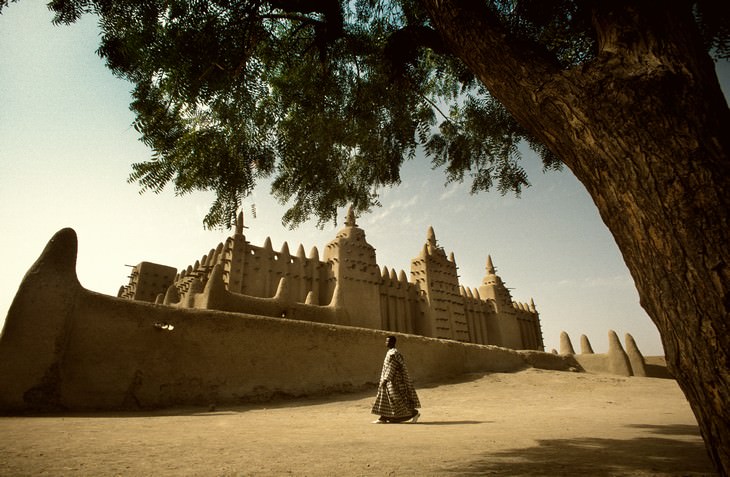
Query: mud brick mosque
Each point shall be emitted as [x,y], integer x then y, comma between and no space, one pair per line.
[248,324]
[344,287]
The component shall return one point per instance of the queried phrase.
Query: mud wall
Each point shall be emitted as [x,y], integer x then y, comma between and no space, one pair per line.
[66,348]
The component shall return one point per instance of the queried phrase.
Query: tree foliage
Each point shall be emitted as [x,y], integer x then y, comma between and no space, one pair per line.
[326,97]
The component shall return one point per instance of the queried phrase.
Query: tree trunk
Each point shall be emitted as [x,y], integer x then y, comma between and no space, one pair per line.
[646,129]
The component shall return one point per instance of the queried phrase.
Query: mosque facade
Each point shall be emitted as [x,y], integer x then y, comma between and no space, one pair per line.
[345,286]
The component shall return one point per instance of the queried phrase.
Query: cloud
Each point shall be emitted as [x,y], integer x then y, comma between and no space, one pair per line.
[449,192]
[401,204]
[398,207]
[614,282]
[452,189]
[380,215]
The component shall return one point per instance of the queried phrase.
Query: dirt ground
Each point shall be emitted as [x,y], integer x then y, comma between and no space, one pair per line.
[534,422]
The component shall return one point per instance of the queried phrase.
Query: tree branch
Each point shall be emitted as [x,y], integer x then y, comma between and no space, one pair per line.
[330,9]
[475,34]
[289,16]
[403,45]
[514,69]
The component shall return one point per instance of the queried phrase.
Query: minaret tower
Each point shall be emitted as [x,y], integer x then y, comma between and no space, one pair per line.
[437,277]
[356,274]
[493,288]
[502,327]
[234,258]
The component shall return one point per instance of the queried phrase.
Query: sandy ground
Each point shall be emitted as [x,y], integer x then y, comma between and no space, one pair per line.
[534,422]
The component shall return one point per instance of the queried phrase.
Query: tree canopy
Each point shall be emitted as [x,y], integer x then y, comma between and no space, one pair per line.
[327,97]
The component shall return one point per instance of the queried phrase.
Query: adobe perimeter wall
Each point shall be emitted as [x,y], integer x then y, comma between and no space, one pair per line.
[64,347]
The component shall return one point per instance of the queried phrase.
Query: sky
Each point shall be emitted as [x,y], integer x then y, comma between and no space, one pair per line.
[66,149]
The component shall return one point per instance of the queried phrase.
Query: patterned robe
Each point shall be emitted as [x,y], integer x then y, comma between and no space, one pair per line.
[397,397]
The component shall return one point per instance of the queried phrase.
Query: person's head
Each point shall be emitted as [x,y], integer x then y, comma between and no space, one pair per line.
[390,341]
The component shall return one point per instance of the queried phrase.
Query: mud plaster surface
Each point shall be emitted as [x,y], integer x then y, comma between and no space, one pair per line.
[533,422]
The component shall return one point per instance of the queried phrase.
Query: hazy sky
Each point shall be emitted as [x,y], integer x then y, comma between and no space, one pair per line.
[66,147]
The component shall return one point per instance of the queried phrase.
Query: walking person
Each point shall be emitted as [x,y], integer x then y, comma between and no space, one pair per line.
[396,400]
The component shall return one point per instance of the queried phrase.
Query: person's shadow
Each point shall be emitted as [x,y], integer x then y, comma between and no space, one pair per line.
[450,423]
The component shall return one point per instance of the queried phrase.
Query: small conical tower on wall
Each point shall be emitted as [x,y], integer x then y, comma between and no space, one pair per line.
[356,275]
[502,327]
[234,258]
[436,276]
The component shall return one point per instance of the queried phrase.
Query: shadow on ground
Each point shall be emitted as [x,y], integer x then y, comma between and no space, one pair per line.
[640,456]
[451,423]
[270,401]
